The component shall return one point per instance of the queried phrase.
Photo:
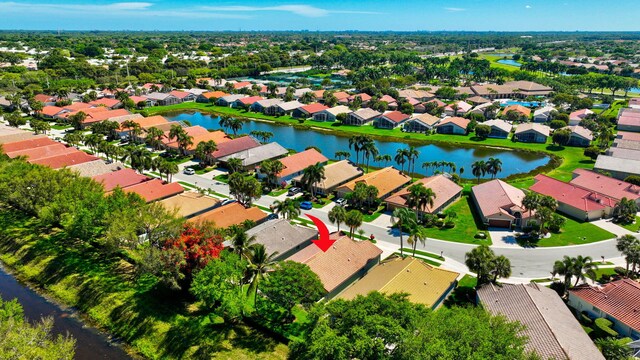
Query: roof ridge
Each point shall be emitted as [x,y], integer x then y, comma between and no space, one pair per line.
[398,273]
[546,323]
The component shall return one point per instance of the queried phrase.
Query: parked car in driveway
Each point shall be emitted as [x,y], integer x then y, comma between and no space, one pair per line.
[306,205]
[293,191]
[227,202]
[341,202]
[189,171]
[272,216]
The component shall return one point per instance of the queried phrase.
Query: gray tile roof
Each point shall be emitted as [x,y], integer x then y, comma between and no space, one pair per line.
[280,236]
[609,163]
[552,331]
[256,155]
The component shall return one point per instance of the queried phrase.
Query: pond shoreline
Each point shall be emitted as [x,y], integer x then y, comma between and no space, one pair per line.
[554,160]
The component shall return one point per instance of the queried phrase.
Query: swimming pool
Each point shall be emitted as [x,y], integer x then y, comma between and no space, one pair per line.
[523,103]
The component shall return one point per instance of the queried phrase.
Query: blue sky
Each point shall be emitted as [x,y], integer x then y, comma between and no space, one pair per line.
[377,15]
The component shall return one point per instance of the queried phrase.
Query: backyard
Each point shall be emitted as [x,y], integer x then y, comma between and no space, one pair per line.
[467,225]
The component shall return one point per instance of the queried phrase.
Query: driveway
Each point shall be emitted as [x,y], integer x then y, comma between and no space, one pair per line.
[503,238]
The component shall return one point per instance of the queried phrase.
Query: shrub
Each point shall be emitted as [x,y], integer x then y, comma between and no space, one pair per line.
[439,222]
[449,224]
[620,270]
[602,328]
[585,319]
[480,235]
[634,179]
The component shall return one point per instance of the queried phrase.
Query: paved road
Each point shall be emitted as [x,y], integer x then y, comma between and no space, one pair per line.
[526,262]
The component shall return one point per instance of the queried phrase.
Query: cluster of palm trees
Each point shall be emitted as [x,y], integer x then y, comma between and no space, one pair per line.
[204,151]
[480,168]
[629,246]
[364,144]
[230,123]
[352,219]
[487,266]
[407,156]
[544,208]
[440,166]
[263,136]
[311,176]
[142,159]
[578,267]
[259,261]
[181,137]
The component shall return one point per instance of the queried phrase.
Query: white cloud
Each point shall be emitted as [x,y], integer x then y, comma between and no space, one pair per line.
[302,10]
[454,9]
[527,6]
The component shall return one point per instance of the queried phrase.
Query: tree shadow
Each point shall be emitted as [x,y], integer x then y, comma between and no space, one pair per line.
[555,147]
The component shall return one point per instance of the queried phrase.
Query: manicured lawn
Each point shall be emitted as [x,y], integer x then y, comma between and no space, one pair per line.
[224,178]
[423,253]
[274,193]
[467,225]
[375,215]
[495,64]
[60,127]
[201,171]
[632,227]
[464,294]
[575,233]
[603,271]
[426,260]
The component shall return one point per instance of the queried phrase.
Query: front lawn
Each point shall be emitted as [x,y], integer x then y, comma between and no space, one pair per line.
[576,233]
[467,225]
[635,227]
[464,294]
[600,272]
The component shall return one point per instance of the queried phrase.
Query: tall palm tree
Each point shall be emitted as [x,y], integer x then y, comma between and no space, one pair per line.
[337,215]
[342,154]
[385,157]
[480,261]
[204,151]
[184,141]
[175,131]
[241,242]
[417,234]
[271,168]
[403,218]
[311,176]
[234,165]
[355,142]
[583,266]
[412,155]
[288,209]
[565,268]
[494,166]
[353,219]
[235,125]
[369,150]
[139,158]
[260,262]
[154,137]
[420,197]
[501,267]
[224,122]
[478,169]
[401,158]
[629,246]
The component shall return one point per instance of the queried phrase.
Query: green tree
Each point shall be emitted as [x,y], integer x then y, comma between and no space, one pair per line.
[419,198]
[244,189]
[501,267]
[288,209]
[480,260]
[561,137]
[260,263]
[311,176]
[77,120]
[494,166]
[626,210]
[615,349]
[417,234]
[592,152]
[353,219]
[271,168]
[204,151]
[478,169]
[629,246]
[15,119]
[22,339]
[337,215]
[290,284]
[482,131]
[403,218]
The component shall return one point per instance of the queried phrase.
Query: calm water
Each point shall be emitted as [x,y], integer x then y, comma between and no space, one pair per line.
[89,343]
[298,139]
[509,62]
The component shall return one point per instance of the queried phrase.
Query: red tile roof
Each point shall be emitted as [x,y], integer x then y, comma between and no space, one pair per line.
[50,110]
[77,106]
[571,195]
[444,189]
[241,84]
[232,214]
[614,188]
[300,161]
[620,299]
[461,122]
[388,99]
[235,145]
[27,144]
[518,108]
[250,100]
[155,189]
[123,178]
[341,95]
[63,160]
[396,116]
[214,94]
[363,96]
[137,99]
[42,151]
[180,94]
[106,102]
[313,108]
[44,98]
[437,102]
[191,131]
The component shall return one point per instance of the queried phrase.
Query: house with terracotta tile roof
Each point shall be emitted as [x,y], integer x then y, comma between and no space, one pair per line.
[281,238]
[345,262]
[230,214]
[207,96]
[485,109]
[462,108]
[141,99]
[235,145]
[308,111]
[500,204]
[579,136]
[77,106]
[335,174]
[189,204]
[629,120]
[478,100]
[618,301]
[246,102]
[184,96]
[608,186]
[438,102]
[552,331]
[295,164]
[453,125]
[122,178]
[422,123]
[45,99]
[364,97]
[10,134]
[577,116]
[575,201]
[446,193]
[390,120]
[155,189]
[420,95]
[522,111]
[532,132]
[361,117]
[66,159]
[108,103]
[242,85]
[386,180]
[25,144]
[425,284]
[50,111]
[42,151]
[331,114]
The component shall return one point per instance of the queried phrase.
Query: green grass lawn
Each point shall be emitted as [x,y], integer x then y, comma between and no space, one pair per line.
[467,225]
[493,59]
[632,227]
[201,171]
[423,253]
[156,324]
[223,178]
[602,271]
[274,193]
[576,233]
[60,127]
[464,294]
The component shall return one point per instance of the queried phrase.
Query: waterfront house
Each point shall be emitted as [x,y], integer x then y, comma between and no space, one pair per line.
[254,156]
[335,174]
[184,96]
[207,96]
[331,114]
[158,98]
[307,111]
[390,120]
[421,123]
[229,99]
[499,128]
[283,108]
[453,125]
[246,102]
[262,105]
[579,136]
[361,117]
[386,180]
[446,193]
[532,132]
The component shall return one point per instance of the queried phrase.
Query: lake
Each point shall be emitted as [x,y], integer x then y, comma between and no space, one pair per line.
[90,344]
[513,162]
[509,62]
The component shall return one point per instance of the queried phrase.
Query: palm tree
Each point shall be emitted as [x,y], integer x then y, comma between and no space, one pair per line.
[494,166]
[480,261]
[478,169]
[175,131]
[271,168]
[369,150]
[417,234]
[353,219]
[288,209]
[337,215]
[355,143]
[420,197]
[235,125]
[259,264]
[170,168]
[583,266]
[77,120]
[92,141]
[501,267]
[241,242]
[184,141]
[154,137]
[204,151]
[307,97]
[401,158]
[234,164]
[342,154]
[224,122]
[311,176]
[629,246]
[385,157]
[403,217]
[412,155]
[565,268]
[139,158]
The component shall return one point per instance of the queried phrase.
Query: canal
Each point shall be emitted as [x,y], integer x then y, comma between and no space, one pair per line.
[90,344]
[513,162]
